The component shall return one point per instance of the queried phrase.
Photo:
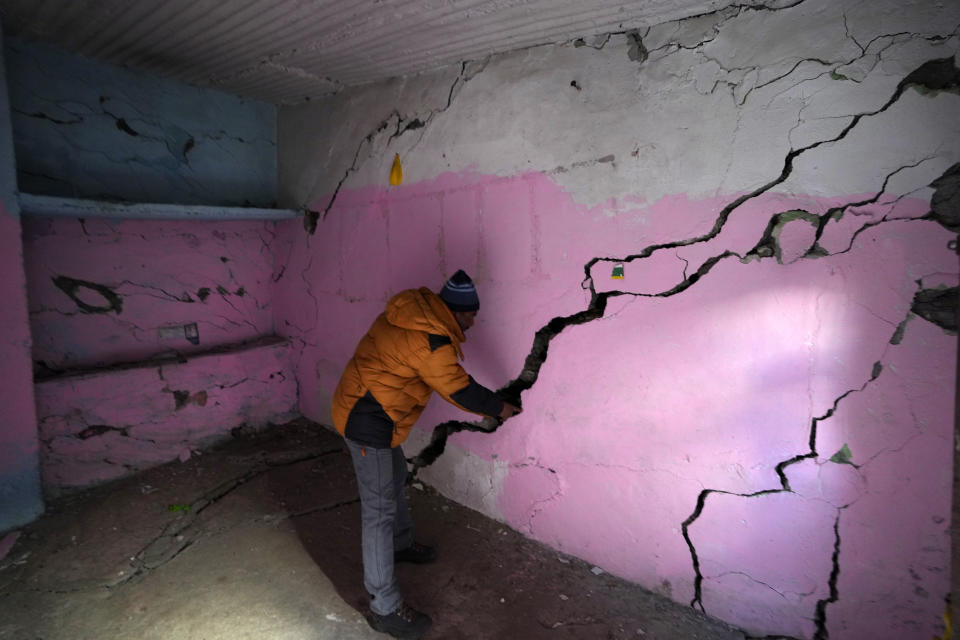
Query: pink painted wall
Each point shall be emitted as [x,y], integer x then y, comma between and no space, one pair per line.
[166,273]
[667,418]
[108,424]
[114,395]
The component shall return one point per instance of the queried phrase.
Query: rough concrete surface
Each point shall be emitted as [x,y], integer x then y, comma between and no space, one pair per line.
[260,539]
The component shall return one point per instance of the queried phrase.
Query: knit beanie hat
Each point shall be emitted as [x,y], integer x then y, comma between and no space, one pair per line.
[459,293]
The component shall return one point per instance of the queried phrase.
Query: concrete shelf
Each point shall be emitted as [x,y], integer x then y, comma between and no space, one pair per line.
[34,205]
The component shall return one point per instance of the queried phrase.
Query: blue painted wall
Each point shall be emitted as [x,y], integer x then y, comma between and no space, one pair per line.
[84,129]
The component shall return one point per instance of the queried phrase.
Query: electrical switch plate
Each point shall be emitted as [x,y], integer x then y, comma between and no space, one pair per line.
[170,333]
[179,332]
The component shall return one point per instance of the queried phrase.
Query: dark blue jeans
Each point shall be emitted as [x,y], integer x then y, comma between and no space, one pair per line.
[385,520]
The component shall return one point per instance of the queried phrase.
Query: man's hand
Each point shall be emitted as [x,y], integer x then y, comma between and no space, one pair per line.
[508,410]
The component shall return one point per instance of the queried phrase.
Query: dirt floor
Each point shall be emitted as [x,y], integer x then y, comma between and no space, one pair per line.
[260,539]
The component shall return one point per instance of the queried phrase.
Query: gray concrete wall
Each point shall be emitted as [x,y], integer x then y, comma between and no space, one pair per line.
[88,130]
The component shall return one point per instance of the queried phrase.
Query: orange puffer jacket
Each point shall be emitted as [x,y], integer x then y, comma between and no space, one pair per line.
[412,349]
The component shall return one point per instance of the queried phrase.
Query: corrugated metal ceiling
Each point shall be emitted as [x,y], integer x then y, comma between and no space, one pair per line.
[285,51]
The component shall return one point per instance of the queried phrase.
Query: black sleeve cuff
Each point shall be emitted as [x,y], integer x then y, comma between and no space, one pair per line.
[479,399]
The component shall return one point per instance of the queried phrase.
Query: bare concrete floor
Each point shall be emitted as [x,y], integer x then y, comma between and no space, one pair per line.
[260,539]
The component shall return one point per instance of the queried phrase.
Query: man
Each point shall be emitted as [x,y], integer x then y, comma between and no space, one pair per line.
[412,349]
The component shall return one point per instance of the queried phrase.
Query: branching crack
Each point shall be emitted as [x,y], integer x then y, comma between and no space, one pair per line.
[468,70]
[176,537]
[311,217]
[935,75]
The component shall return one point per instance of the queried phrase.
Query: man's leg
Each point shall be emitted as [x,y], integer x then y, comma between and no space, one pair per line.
[375,473]
[402,522]
[405,549]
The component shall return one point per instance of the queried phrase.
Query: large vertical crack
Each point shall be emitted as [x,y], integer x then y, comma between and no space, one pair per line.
[780,469]
[820,617]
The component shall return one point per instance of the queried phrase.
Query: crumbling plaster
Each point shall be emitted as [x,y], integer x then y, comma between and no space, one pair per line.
[744,420]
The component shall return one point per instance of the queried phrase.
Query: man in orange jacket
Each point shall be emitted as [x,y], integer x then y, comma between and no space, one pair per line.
[412,350]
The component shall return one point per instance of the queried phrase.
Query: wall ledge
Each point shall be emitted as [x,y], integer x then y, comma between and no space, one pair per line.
[36,205]
[169,359]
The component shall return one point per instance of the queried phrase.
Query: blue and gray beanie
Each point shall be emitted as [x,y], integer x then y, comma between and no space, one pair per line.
[459,293]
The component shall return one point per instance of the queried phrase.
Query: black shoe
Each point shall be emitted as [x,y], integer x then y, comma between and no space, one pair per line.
[405,622]
[416,553]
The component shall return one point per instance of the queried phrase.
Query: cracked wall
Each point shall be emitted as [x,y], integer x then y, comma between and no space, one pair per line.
[104,292]
[89,130]
[120,386]
[102,425]
[752,420]
[151,338]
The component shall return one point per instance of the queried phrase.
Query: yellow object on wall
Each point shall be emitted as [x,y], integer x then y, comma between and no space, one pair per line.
[947,624]
[396,171]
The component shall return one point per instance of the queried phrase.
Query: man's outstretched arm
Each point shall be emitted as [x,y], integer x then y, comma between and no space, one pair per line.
[444,374]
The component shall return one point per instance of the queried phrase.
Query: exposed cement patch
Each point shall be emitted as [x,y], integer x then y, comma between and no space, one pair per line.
[72,287]
[939,306]
[636,51]
[945,203]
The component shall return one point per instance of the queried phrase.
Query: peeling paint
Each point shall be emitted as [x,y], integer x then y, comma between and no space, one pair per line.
[945,203]
[636,51]
[72,288]
[938,306]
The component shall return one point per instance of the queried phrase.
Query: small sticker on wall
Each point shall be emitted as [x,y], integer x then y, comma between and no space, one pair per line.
[617,273]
